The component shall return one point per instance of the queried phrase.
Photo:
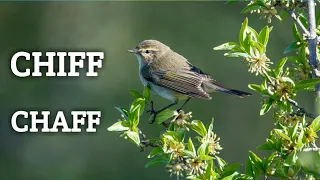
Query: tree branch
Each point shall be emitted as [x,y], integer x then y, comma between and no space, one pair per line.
[297,20]
[144,142]
[302,110]
[312,45]
[316,149]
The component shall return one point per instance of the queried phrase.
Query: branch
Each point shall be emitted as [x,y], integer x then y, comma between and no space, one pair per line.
[146,142]
[297,20]
[316,149]
[302,110]
[312,43]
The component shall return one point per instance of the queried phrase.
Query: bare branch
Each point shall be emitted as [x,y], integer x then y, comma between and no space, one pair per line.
[316,149]
[297,20]
[302,110]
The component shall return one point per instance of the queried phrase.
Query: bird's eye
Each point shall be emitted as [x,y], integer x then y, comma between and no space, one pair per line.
[147,51]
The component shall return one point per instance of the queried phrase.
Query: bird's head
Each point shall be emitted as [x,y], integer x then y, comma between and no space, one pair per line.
[149,50]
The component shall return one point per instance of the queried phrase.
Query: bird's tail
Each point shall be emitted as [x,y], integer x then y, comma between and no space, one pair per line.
[213,86]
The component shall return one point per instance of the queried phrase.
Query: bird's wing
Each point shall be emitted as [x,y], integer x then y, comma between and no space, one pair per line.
[183,81]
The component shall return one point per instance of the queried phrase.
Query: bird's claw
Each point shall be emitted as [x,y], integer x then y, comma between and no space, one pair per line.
[152,112]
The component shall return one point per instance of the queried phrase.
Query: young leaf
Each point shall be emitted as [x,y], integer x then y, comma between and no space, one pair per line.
[296,33]
[222,163]
[315,125]
[119,126]
[237,54]
[242,33]
[188,153]
[266,107]
[202,150]
[135,94]
[291,159]
[279,68]
[226,46]
[264,36]
[206,158]
[146,94]
[282,135]
[191,146]
[155,151]
[258,88]
[249,169]
[256,163]
[230,169]
[251,7]
[264,147]
[306,83]
[292,47]
[123,111]
[198,127]
[134,137]
[157,161]
[164,116]
[258,46]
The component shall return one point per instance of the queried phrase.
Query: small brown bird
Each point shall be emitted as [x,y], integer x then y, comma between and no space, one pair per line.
[173,77]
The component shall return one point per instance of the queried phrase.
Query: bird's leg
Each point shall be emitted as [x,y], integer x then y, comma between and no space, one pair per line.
[184,104]
[154,112]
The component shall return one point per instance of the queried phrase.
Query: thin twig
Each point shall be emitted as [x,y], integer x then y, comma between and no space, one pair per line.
[316,149]
[144,142]
[302,110]
[296,19]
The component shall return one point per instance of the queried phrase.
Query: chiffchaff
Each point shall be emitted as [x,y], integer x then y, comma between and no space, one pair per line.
[172,76]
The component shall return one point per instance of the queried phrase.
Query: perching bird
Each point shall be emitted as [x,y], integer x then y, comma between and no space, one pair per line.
[172,76]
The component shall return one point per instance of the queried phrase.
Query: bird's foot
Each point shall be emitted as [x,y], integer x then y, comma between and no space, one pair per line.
[152,112]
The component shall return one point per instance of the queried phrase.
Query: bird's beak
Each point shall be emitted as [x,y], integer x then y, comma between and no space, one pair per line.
[132,51]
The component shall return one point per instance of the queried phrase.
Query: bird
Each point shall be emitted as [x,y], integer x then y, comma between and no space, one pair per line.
[171,76]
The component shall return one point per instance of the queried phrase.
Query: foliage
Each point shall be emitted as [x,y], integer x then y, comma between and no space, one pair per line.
[295,129]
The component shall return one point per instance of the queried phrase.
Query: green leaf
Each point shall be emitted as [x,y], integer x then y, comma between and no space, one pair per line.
[188,153]
[293,131]
[203,149]
[291,159]
[300,142]
[157,161]
[306,83]
[233,176]
[123,111]
[269,159]
[134,116]
[191,146]
[155,152]
[296,33]
[146,94]
[134,137]
[164,116]
[226,46]
[119,126]
[206,158]
[287,79]
[237,54]
[258,88]
[303,20]
[222,163]
[282,135]
[292,47]
[137,103]
[256,164]
[135,94]
[255,35]
[242,33]
[279,68]
[208,173]
[230,169]
[258,46]
[198,127]
[249,168]
[252,7]
[315,125]
[264,147]
[266,107]
[264,36]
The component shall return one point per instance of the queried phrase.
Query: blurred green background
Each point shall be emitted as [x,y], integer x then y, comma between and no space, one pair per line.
[190,28]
